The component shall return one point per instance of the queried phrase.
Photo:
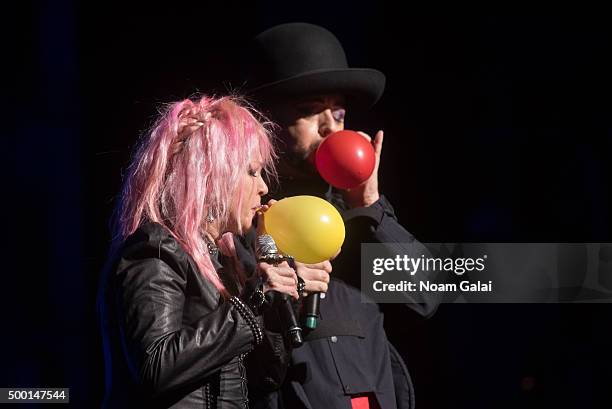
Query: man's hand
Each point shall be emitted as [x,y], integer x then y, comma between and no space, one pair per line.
[315,276]
[366,194]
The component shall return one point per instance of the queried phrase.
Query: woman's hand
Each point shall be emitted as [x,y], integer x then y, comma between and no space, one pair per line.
[260,216]
[315,276]
[281,278]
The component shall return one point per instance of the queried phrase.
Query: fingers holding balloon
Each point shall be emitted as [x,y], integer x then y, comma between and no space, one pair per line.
[378,142]
[260,216]
[264,208]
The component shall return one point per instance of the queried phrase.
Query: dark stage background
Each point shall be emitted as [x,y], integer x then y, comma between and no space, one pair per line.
[497,129]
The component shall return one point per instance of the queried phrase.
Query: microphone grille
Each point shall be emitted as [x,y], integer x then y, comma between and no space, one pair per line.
[265,246]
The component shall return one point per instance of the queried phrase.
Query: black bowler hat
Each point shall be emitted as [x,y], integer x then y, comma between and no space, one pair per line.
[299,60]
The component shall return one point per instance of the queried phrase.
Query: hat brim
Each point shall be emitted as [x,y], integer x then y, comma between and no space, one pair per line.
[362,87]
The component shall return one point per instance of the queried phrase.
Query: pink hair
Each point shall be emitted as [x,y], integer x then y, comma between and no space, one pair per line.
[189,166]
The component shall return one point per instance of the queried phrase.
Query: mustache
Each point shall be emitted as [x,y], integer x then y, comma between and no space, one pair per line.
[312,149]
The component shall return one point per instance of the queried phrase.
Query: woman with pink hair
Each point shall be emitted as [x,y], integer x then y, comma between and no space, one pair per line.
[178,313]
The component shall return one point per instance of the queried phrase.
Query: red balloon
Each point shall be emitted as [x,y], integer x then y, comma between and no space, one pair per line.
[345,159]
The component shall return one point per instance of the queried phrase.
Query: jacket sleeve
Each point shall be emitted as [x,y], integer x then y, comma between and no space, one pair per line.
[164,353]
[378,224]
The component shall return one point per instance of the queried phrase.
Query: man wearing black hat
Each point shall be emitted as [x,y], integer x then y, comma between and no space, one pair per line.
[300,77]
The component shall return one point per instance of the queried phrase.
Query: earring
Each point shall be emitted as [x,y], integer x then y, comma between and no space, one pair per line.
[210,217]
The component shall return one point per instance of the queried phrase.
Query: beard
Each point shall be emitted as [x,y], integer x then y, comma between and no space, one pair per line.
[297,162]
[303,162]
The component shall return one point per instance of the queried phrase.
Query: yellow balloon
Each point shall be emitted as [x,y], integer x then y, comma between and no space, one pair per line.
[306,227]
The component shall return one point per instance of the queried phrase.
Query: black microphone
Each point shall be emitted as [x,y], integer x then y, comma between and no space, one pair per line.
[311,310]
[266,251]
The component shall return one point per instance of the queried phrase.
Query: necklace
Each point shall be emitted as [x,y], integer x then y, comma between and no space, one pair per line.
[213,250]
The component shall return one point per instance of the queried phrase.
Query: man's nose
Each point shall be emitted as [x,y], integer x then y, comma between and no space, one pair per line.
[328,124]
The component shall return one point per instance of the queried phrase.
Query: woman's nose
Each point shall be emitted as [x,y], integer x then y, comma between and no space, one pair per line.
[263,187]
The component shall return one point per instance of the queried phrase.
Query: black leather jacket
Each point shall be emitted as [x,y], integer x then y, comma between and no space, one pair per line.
[170,338]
